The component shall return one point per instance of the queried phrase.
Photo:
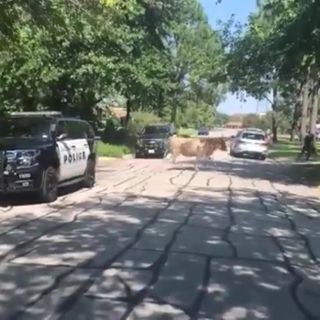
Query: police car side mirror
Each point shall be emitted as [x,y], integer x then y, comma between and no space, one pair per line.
[62,136]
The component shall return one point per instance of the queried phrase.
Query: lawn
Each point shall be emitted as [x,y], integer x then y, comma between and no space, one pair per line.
[288,150]
[304,172]
[111,150]
[285,149]
[187,132]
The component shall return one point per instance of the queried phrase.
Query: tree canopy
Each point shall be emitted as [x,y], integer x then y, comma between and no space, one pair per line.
[276,58]
[68,55]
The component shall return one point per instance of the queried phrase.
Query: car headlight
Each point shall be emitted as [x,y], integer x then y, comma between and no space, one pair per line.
[139,142]
[27,158]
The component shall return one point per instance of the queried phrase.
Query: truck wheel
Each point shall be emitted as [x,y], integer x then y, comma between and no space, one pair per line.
[49,186]
[89,178]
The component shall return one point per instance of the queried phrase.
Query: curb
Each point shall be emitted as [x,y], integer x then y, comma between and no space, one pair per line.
[125,157]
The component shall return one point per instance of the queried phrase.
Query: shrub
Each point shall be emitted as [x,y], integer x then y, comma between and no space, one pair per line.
[110,150]
[140,119]
[115,134]
[186,133]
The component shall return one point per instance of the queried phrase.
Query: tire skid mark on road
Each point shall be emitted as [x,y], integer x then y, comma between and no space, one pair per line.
[285,209]
[70,301]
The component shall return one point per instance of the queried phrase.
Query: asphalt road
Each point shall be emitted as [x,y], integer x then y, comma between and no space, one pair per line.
[159,241]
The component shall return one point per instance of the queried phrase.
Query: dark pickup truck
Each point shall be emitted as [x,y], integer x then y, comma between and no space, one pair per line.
[153,140]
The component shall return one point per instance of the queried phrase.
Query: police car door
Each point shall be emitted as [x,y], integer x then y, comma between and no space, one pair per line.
[79,146]
[64,150]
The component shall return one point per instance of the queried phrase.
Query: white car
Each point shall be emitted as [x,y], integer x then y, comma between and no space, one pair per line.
[250,143]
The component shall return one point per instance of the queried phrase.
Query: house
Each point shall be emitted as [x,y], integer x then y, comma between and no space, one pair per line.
[233,125]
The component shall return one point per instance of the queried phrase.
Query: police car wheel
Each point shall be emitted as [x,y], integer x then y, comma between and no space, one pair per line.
[49,188]
[90,174]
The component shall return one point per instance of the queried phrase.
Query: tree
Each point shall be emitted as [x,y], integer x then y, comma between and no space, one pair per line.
[70,55]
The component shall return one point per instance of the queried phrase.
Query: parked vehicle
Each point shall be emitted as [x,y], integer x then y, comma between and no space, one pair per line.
[153,140]
[250,143]
[203,131]
[41,151]
[255,129]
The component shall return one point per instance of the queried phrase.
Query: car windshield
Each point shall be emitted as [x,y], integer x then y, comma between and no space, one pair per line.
[252,136]
[156,130]
[25,128]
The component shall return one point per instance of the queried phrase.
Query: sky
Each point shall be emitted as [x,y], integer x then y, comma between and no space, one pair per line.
[223,11]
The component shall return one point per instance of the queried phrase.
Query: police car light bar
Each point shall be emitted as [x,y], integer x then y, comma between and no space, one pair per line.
[37,113]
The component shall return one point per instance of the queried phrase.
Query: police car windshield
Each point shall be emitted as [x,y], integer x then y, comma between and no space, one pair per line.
[156,130]
[27,128]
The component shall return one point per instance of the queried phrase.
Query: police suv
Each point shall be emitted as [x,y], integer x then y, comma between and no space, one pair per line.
[41,151]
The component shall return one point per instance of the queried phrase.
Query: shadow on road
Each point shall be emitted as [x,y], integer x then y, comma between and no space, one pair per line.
[233,254]
[26,198]
[300,173]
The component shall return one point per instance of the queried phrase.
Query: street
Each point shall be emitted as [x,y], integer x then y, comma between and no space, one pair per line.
[158,241]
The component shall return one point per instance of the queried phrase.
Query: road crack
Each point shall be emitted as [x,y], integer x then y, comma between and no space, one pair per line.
[70,301]
[298,280]
[158,265]
[227,231]
[285,208]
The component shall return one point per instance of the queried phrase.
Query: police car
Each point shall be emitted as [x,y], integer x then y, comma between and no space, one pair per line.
[41,151]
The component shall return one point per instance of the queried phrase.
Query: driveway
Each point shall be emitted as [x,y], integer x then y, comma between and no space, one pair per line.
[235,240]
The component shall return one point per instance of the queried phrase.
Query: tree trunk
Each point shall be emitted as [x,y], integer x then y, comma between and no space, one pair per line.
[314,109]
[274,114]
[274,128]
[296,113]
[174,110]
[304,114]
[129,108]
[294,123]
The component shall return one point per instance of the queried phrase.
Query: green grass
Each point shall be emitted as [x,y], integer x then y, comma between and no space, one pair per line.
[288,150]
[111,150]
[285,149]
[296,171]
[187,132]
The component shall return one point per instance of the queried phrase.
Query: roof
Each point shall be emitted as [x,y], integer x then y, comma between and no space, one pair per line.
[254,129]
[159,124]
[234,123]
[118,112]
[48,114]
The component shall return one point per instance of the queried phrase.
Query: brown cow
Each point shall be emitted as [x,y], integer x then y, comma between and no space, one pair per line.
[201,148]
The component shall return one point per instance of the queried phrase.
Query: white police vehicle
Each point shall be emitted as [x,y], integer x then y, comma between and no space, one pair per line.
[41,151]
